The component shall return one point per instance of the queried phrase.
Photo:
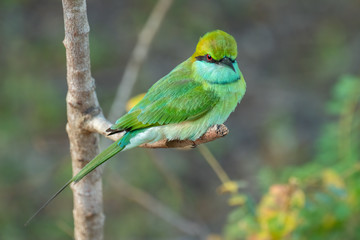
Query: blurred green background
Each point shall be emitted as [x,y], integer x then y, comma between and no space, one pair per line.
[293,146]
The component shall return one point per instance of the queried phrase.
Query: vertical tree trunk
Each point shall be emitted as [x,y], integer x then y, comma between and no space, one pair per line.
[81,102]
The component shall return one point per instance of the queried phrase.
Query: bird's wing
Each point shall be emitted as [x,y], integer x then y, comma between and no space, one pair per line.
[168,102]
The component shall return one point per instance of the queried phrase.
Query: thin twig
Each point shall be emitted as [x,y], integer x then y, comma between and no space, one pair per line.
[209,157]
[137,58]
[157,208]
[171,179]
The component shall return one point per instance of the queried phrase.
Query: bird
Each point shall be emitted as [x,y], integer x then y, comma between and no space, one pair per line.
[198,93]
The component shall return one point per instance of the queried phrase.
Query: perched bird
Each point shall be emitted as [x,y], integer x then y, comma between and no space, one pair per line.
[197,94]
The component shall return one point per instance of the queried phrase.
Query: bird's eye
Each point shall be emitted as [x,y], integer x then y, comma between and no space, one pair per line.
[208,57]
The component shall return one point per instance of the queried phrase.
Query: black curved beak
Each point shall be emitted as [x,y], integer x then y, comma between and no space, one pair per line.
[228,62]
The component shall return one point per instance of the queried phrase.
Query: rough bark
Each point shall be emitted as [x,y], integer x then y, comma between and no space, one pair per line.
[81,100]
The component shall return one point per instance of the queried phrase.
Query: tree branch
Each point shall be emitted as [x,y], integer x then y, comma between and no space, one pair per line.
[99,124]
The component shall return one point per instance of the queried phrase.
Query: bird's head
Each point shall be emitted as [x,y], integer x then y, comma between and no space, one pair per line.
[215,58]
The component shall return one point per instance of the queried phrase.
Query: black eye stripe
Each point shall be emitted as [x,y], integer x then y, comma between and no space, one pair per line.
[204,58]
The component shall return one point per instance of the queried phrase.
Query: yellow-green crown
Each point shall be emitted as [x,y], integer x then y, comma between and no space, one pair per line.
[218,44]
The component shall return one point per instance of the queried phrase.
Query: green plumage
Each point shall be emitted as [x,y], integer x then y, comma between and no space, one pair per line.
[173,102]
[200,92]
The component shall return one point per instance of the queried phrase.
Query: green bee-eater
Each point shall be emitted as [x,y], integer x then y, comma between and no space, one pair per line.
[197,94]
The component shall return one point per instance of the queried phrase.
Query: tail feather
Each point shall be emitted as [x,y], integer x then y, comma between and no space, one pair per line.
[98,160]
[48,201]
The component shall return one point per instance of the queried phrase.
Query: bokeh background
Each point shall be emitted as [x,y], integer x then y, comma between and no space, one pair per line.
[293,147]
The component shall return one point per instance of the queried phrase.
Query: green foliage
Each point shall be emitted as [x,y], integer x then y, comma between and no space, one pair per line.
[321,198]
